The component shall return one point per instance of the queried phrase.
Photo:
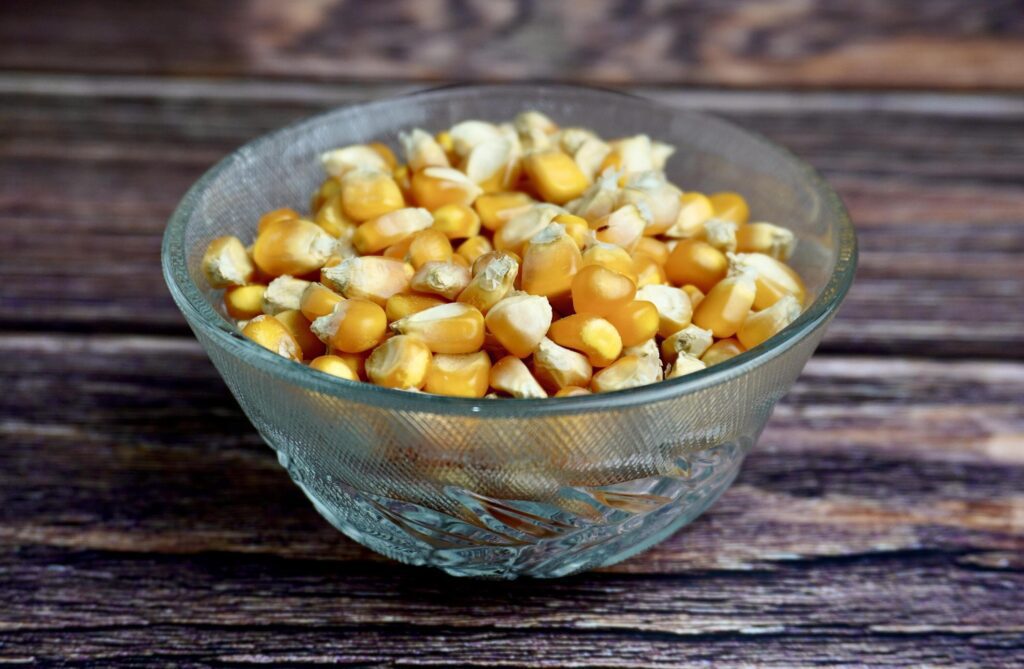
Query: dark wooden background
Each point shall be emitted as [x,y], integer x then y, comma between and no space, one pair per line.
[880,521]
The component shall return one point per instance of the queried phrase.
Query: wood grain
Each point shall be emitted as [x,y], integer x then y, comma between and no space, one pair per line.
[779,43]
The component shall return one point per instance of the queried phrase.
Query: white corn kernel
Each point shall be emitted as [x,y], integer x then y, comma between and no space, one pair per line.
[447,279]
[358,156]
[721,234]
[422,150]
[650,359]
[283,294]
[510,376]
[684,364]
[691,340]
[557,367]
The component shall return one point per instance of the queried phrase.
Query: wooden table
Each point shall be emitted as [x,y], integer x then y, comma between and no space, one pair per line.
[880,521]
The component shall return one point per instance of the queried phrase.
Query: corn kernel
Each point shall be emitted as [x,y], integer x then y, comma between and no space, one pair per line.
[385,152]
[626,372]
[284,293]
[403,177]
[448,328]
[684,364]
[766,238]
[600,291]
[588,150]
[355,361]
[691,340]
[491,281]
[493,165]
[465,136]
[730,206]
[330,188]
[726,305]
[474,247]
[338,162]
[550,261]
[722,350]
[366,195]
[456,221]
[446,142]
[636,321]
[556,367]
[674,307]
[623,227]
[226,263]
[332,219]
[460,261]
[634,153]
[406,304]
[429,246]
[697,263]
[577,228]
[774,279]
[648,271]
[650,359]
[695,293]
[272,335]
[555,175]
[598,200]
[720,233]
[244,302]
[318,300]
[292,246]
[519,322]
[655,249]
[517,231]
[333,365]
[400,362]
[612,257]
[391,228]
[591,335]
[435,187]
[510,376]
[695,211]
[354,326]
[572,391]
[495,209]
[447,279]
[650,191]
[282,214]
[298,326]
[374,278]
[461,375]
[422,150]
[760,326]
[398,250]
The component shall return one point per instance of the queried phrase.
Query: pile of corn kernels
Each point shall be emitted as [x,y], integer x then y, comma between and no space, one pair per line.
[517,259]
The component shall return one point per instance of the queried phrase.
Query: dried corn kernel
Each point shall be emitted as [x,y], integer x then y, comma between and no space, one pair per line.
[577,228]
[674,307]
[282,214]
[332,219]
[391,228]
[598,200]
[226,263]
[510,376]
[636,321]
[691,340]
[298,326]
[292,246]
[550,261]
[623,227]
[650,191]
[572,391]
[612,257]
[720,233]
[695,211]
[333,365]
[648,271]
[435,187]
[766,238]
[626,372]
[385,152]
[591,335]
[730,206]
[588,150]
[338,162]
[695,293]
[634,154]
[428,246]
[374,278]
[474,247]
[650,359]
[519,322]
[244,302]
[684,364]
[493,165]
[495,209]
[555,175]
[722,350]
[762,325]
[355,361]
[407,304]
[517,231]
[697,263]
[556,367]
[457,221]
[422,150]
[460,261]
[329,189]
[726,305]
[774,279]
[460,375]
[448,328]
[447,279]
[271,334]
[366,194]
[491,281]
[600,291]
[284,293]
[354,326]
[400,362]
[653,248]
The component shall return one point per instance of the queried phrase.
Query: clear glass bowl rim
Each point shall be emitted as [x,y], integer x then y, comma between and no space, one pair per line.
[201,314]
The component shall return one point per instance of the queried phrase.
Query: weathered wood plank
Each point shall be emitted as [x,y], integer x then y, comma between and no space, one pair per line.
[937,197]
[915,44]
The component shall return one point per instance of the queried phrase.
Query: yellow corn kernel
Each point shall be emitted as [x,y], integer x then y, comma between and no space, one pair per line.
[767,238]
[653,248]
[674,307]
[354,326]
[339,162]
[612,257]
[626,372]
[555,176]
[684,364]
[695,293]
[493,164]
[330,188]
[572,391]
[588,150]
[491,281]
[556,367]
[550,261]
[333,365]
[391,228]
[493,208]
[726,305]
[400,362]
[652,192]
[429,246]
[298,326]
[422,150]
[366,195]
[694,211]
[697,263]
[730,206]
[272,335]
[510,376]
[283,293]
[648,271]
[460,261]
[292,246]
[406,304]
[385,152]
[355,361]
[636,321]
[691,340]
[398,250]
[474,247]
[760,326]
[623,227]
[774,279]
[456,221]
[244,302]
[332,219]
[576,227]
[374,278]
[722,350]
[600,291]
[518,322]
[318,300]
[589,334]
[403,177]
[282,214]
[226,263]
[448,328]
[460,375]
[447,279]
[435,187]
[517,231]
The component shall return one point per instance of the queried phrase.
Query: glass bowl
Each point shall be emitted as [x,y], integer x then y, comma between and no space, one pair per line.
[503,488]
